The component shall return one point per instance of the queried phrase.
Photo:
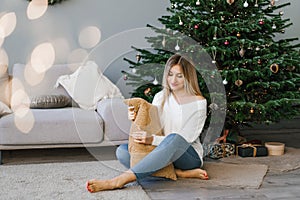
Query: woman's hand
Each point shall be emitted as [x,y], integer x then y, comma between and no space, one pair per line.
[141,137]
[131,113]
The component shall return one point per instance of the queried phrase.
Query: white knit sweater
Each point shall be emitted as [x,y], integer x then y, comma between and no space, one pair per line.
[186,120]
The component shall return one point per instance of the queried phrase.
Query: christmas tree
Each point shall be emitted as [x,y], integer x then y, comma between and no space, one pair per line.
[249,76]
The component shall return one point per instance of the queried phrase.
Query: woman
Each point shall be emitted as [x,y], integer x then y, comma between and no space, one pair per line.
[183,114]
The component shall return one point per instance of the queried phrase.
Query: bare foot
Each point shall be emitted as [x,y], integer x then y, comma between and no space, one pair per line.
[118,182]
[100,185]
[192,173]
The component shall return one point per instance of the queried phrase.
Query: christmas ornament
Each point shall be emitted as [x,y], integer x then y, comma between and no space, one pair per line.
[256,4]
[251,110]
[147,91]
[257,49]
[213,106]
[230,2]
[214,54]
[177,48]
[291,68]
[259,61]
[198,2]
[246,4]
[261,22]
[163,42]
[274,26]
[138,57]
[212,10]
[238,82]
[274,68]
[196,26]
[238,34]
[133,70]
[242,52]
[281,13]
[125,77]
[180,22]
[226,42]
[155,82]
[272,2]
[225,82]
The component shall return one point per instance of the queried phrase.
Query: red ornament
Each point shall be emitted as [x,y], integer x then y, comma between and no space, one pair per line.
[261,22]
[196,26]
[226,42]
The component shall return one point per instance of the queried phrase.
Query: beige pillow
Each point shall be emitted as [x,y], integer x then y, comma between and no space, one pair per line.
[87,86]
[4,109]
[50,101]
[147,119]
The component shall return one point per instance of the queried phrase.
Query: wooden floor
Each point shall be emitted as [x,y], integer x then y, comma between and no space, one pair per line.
[275,186]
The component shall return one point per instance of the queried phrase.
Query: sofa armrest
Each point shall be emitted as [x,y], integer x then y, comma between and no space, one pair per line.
[114,113]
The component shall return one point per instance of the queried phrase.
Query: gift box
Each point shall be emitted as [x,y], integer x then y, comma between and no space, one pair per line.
[251,150]
[219,150]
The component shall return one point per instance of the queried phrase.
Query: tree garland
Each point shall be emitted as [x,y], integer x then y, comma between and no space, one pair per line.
[52,2]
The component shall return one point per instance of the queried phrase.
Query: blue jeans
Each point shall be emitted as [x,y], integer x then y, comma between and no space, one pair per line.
[173,149]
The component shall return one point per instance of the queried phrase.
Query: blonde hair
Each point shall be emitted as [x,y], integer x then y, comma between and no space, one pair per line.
[191,85]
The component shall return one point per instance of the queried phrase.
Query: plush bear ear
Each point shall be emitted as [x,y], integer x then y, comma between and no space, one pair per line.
[143,118]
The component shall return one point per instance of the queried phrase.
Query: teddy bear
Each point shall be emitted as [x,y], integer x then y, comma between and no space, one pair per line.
[146,120]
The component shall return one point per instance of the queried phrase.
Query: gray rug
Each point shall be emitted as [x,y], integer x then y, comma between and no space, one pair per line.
[290,160]
[62,181]
[234,175]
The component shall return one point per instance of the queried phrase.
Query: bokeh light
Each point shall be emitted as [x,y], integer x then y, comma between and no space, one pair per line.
[36,9]
[31,76]
[42,57]
[3,57]
[25,121]
[7,24]
[89,37]
[77,56]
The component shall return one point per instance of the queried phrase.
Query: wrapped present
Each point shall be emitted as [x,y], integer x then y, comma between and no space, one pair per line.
[219,150]
[251,150]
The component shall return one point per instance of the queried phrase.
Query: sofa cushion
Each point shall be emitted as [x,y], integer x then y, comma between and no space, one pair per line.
[4,109]
[4,85]
[49,101]
[87,86]
[115,117]
[51,126]
[43,84]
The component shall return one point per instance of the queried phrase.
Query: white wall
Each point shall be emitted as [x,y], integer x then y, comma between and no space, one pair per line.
[122,25]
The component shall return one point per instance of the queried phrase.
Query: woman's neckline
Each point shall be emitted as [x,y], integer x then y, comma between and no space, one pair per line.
[186,103]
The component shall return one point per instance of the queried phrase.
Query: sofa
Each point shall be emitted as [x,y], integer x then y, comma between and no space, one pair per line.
[60,122]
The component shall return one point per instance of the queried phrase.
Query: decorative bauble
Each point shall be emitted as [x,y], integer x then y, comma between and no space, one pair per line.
[125,77]
[138,57]
[180,23]
[230,2]
[274,26]
[226,42]
[242,52]
[155,82]
[259,61]
[238,34]
[290,68]
[196,26]
[133,70]
[147,91]
[238,82]
[225,82]
[246,4]
[198,2]
[272,2]
[274,68]
[251,110]
[261,22]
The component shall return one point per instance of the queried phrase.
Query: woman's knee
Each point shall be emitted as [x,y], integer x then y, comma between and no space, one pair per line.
[122,151]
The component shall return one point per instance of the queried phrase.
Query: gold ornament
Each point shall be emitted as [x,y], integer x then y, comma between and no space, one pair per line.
[238,34]
[238,82]
[290,68]
[251,110]
[274,68]
[230,2]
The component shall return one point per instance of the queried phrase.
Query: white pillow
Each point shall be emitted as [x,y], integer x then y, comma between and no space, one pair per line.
[4,109]
[87,86]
